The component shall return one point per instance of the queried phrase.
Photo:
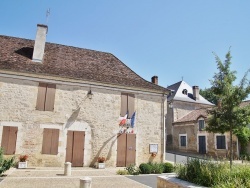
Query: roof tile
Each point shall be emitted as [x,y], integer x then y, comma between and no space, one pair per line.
[70,62]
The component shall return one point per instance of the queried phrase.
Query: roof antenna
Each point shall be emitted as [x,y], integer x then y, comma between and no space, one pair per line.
[47,15]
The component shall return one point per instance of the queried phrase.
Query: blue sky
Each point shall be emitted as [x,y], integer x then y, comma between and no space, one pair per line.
[170,39]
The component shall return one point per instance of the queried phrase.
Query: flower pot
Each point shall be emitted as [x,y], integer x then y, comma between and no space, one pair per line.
[23,164]
[101,165]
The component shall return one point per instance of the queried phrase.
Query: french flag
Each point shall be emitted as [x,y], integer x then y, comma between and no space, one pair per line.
[123,120]
[133,120]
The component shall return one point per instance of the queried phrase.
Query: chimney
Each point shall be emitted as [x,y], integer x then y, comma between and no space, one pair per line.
[196,91]
[40,43]
[154,79]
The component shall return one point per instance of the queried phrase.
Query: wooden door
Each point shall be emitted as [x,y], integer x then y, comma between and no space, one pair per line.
[121,150]
[130,149]
[126,148]
[75,148]
[202,144]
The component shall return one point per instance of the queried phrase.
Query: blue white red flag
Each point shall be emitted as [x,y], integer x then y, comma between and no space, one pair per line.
[123,120]
[133,120]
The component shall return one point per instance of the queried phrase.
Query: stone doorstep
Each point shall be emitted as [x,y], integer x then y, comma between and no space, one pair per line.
[170,180]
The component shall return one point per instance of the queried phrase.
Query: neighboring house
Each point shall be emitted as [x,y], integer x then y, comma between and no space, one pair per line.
[186,120]
[60,103]
[243,104]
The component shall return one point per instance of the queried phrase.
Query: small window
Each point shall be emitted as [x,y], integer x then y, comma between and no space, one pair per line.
[127,104]
[9,137]
[46,97]
[183,141]
[201,125]
[221,142]
[184,91]
[50,141]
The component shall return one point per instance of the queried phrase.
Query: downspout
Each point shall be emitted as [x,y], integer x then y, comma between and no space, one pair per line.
[164,128]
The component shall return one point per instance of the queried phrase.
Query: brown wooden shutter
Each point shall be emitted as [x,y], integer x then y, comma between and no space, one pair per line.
[41,96]
[69,147]
[50,141]
[50,97]
[47,134]
[12,140]
[5,139]
[54,141]
[124,104]
[131,105]
[9,137]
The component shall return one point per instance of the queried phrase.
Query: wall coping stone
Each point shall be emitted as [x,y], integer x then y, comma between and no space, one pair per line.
[176,182]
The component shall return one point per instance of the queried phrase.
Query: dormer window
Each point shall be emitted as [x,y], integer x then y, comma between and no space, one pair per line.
[201,124]
[184,91]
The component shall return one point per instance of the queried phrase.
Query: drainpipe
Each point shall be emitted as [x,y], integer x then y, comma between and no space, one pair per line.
[164,128]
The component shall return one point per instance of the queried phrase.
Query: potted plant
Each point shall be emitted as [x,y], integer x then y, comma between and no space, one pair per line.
[101,162]
[23,161]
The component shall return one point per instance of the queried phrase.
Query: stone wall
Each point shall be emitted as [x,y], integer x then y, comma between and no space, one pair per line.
[192,132]
[98,117]
[191,129]
[179,109]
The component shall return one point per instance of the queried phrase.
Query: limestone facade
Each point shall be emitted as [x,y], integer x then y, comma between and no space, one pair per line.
[190,129]
[73,110]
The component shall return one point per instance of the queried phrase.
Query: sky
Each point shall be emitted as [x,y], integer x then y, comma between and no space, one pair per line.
[174,40]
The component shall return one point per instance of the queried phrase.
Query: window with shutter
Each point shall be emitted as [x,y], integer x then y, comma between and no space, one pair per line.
[201,125]
[183,140]
[50,141]
[127,104]
[46,97]
[221,142]
[9,137]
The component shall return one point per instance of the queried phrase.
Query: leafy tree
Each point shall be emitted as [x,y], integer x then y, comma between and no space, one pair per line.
[208,94]
[243,135]
[229,116]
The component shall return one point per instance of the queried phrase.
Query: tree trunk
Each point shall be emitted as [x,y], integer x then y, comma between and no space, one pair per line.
[231,147]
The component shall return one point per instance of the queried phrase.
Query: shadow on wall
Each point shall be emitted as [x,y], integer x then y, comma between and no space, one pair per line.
[74,115]
[72,118]
[100,151]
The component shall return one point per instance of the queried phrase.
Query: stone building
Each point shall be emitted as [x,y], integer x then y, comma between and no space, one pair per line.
[186,120]
[60,103]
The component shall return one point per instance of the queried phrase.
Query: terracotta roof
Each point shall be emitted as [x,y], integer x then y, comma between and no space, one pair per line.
[193,116]
[70,62]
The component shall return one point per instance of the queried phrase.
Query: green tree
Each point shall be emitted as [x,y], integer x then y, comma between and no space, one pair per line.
[228,116]
[208,94]
[243,135]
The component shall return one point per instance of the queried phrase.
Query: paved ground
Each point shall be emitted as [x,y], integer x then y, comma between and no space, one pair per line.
[149,180]
[54,177]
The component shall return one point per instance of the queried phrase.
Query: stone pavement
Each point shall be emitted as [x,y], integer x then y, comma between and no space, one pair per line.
[54,177]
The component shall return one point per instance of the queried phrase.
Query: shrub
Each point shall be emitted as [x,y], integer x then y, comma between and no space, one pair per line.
[5,164]
[145,168]
[122,172]
[168,167]
[156,168]
[213,174]
[133,170]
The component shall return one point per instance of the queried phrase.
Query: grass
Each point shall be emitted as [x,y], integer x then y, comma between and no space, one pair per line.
[214,174]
